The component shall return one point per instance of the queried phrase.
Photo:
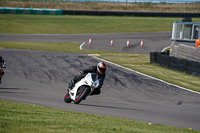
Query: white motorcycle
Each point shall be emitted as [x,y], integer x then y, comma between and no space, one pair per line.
[82,88]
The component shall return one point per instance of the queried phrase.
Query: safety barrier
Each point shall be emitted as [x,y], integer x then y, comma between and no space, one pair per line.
[129,13]
[11,10]
[96,13]
[174,63]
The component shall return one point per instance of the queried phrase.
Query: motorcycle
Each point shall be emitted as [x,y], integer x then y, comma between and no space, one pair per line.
[82,88]
[3,65]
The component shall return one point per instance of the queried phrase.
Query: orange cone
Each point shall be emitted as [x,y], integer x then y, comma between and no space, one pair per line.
[141,44]
[111,43]
[127,44]
[90,41]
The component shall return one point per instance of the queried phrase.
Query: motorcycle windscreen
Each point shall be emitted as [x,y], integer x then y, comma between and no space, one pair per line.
[94,76]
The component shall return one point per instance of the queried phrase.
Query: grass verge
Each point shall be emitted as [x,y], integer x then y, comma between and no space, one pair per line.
[23,118]
[66,24]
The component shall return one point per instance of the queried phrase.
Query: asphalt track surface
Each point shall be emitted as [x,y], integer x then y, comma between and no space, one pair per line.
[40,77]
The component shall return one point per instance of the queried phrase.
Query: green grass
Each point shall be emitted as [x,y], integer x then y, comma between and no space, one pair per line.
[66,24]
[23,118]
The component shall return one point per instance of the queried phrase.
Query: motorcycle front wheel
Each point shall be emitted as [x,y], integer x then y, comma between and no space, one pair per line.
[67,99]
[81,94]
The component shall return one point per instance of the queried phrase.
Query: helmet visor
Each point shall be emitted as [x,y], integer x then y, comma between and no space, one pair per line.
[103,70]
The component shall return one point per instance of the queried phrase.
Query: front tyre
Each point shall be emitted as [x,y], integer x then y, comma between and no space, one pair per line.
[67,98]
[81,94]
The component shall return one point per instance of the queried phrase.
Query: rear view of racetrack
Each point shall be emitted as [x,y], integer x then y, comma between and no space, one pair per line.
[41,77]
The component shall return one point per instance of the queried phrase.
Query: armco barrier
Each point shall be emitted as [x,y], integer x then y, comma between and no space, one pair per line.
[11,10]
[129,13]
[174,63]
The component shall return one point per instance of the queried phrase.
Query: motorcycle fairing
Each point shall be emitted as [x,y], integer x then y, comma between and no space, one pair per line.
[89,80]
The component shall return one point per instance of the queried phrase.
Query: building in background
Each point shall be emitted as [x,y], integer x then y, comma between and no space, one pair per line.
[185,32]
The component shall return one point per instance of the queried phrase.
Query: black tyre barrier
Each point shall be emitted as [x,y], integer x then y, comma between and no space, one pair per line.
[183,65]
[128,13]
[153,57]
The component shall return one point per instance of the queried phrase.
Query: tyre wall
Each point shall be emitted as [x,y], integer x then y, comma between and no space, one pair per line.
[9,10]
[179,64]
[128,13]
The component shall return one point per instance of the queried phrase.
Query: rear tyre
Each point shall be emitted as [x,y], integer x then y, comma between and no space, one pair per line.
[67,98]
[81,94]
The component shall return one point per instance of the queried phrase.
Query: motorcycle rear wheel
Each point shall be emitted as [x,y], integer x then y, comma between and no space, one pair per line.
[82,93]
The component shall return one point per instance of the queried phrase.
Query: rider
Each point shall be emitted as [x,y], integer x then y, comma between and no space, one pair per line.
[100,70]
[2,65]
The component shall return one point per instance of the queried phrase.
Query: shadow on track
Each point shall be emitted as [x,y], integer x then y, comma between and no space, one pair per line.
[102,106]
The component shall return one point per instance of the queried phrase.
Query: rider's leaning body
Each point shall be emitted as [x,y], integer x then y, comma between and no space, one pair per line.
[2,65]
[100,70]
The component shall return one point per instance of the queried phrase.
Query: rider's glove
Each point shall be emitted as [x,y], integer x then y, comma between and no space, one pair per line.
[81,74]
[4,65]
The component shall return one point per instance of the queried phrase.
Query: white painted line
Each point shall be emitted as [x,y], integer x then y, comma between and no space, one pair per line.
[82,46]
[132,77]
[145,75]
[165,49]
